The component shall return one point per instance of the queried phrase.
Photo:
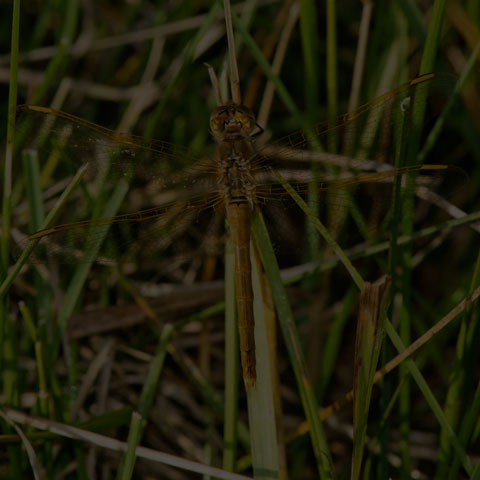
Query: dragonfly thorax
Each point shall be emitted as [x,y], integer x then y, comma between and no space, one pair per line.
[235,164]
[231,121]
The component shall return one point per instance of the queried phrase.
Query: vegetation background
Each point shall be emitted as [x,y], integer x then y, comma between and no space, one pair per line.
[80,344]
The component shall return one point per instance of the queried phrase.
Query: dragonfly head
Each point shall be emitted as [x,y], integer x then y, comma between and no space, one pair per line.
[231,120]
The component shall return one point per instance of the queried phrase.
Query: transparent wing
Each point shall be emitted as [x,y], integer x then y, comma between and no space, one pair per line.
[365,139]
[72,142]
[126,237]
[184,190]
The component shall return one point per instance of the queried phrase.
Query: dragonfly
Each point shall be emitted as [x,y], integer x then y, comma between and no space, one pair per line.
[238,180]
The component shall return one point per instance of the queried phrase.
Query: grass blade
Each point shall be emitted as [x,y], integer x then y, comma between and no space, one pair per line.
[322,230]
[369,341]
[48,221]
[261,407]
[431,400]
[292,342]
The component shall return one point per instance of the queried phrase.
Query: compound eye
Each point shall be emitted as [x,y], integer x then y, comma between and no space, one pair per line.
[228,118]
[217,120]
[249,118]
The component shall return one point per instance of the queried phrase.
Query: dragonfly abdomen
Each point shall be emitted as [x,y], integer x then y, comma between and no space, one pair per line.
[238,217]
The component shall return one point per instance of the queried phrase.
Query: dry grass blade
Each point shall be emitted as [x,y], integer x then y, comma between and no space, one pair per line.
[369,341]
[69,431]
[37,468]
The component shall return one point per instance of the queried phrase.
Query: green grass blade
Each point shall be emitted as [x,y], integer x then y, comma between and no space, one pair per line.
[58,61]
[427,66]
[309,34]
[48,221]
[292,341]
[34,193]
[125,471]
[332,60]
[8,349]
[187,58]
[308,30]
[415,19]
[322,230]
[261,407]
[433,38]
[333,343]
[76,285]
[404,222]
[313,268]
[154,372]
[431,400]
[139,419]
[434,134]
[39,357]
[280,88]
[466,431]
[7,170]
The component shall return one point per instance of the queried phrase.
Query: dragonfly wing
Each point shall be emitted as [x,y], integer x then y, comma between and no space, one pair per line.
[363,139]
[365,200]
[156,174]
[366,139]
[70,142]
[131,237]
